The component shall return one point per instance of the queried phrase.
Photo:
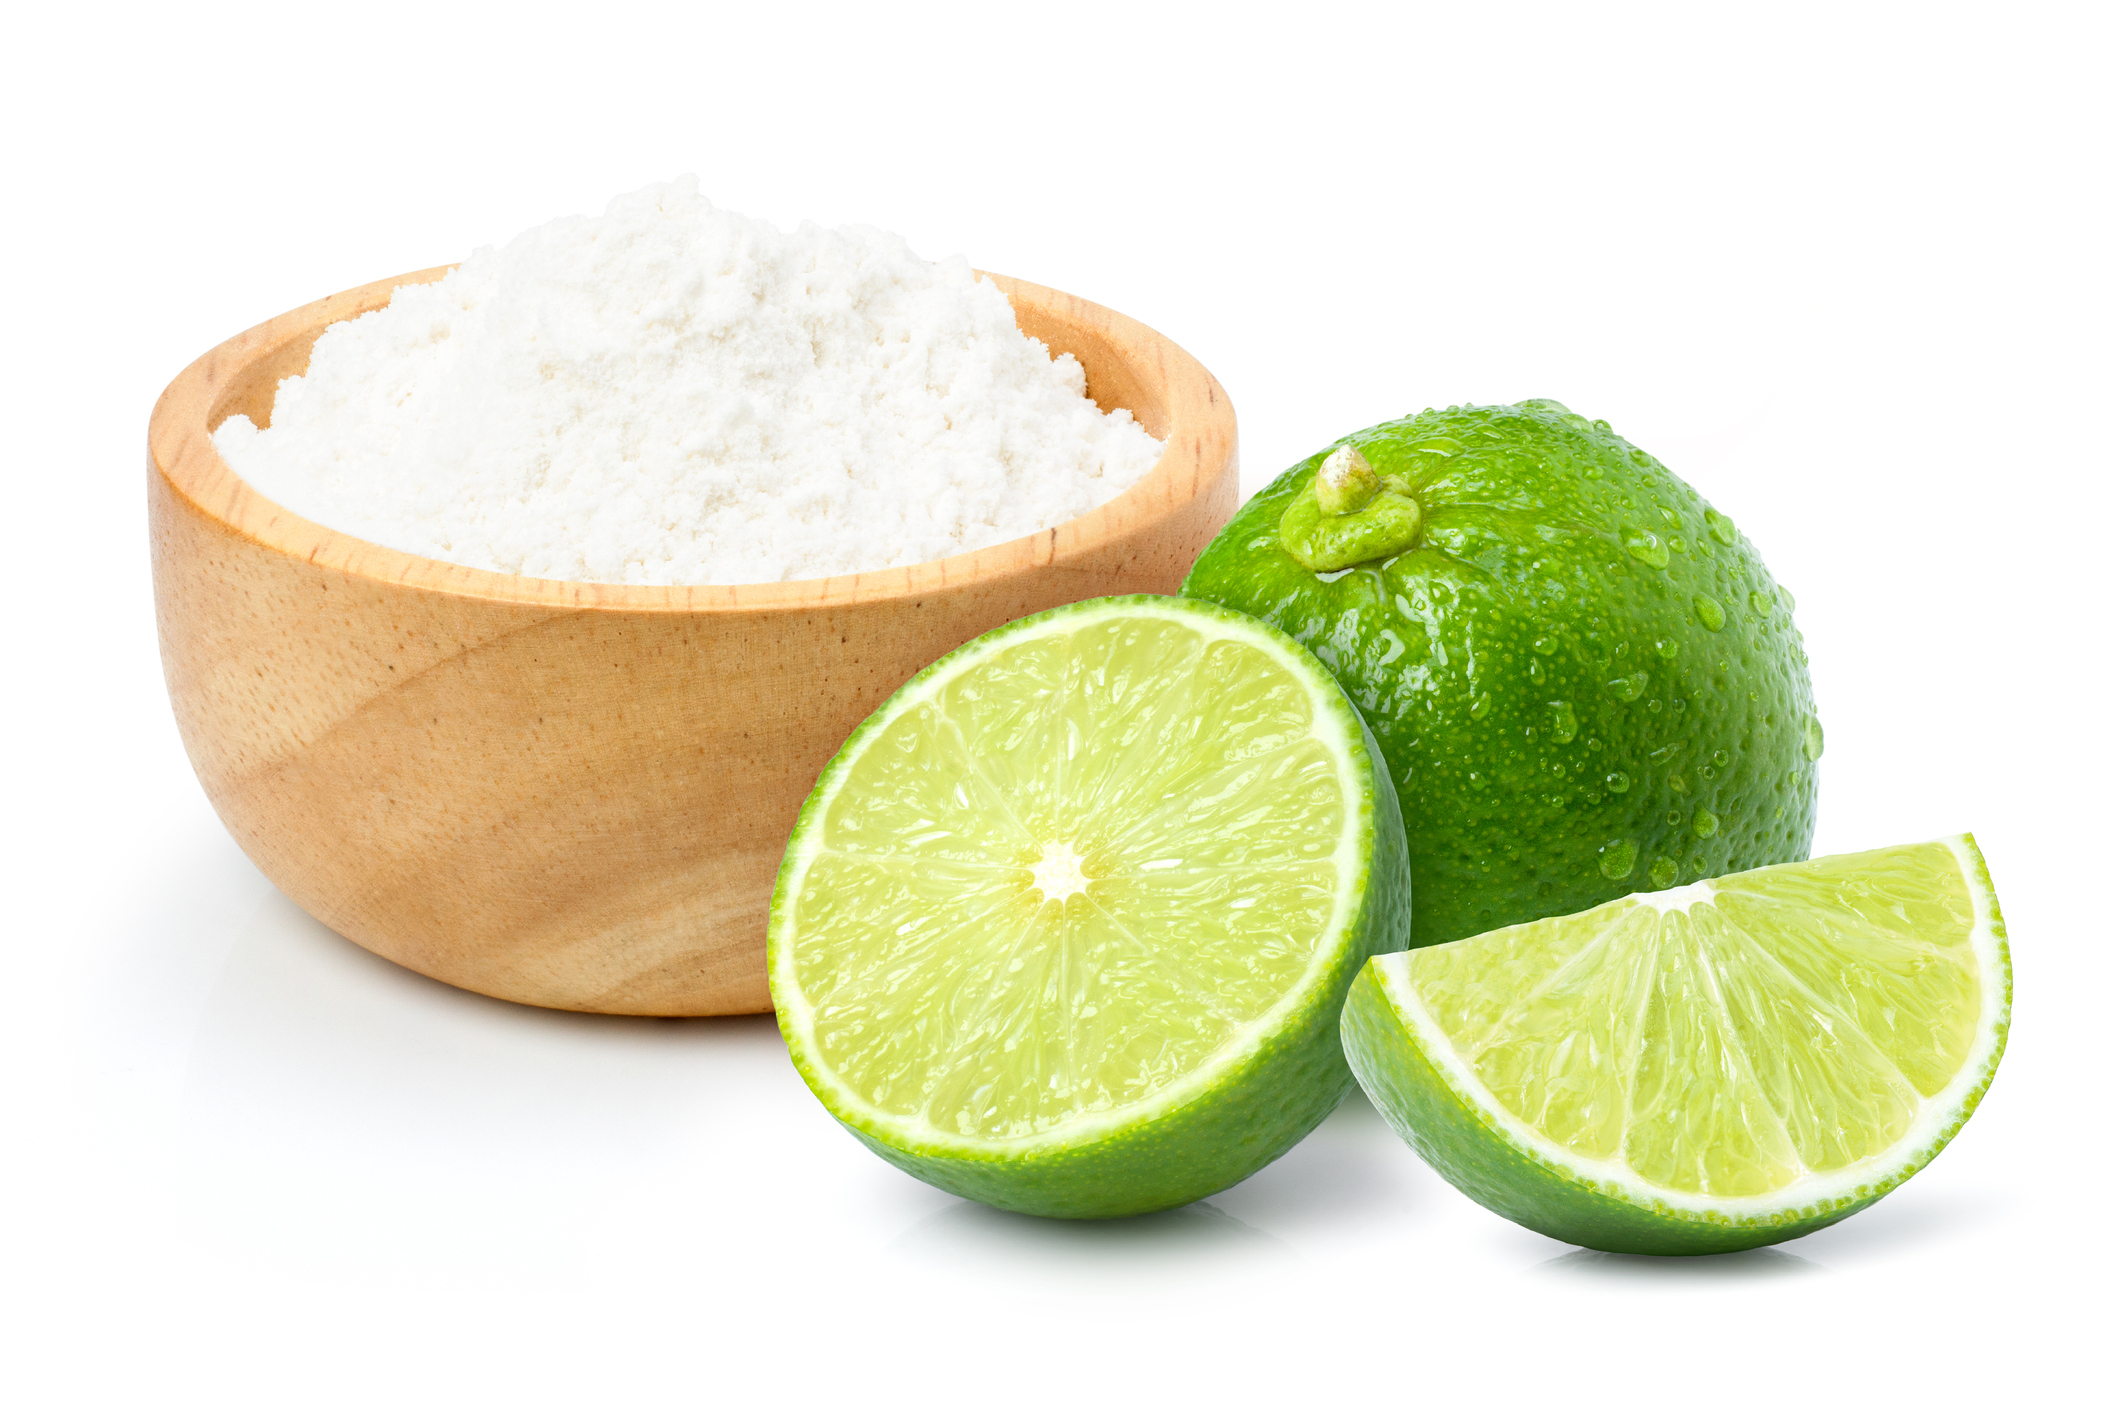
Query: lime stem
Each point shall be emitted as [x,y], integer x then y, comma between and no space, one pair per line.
[1349,514]
[1345,482]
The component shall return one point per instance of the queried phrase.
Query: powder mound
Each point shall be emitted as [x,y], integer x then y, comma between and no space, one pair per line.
[675,394]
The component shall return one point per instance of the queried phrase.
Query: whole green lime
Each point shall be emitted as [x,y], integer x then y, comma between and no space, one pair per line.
[1584,681]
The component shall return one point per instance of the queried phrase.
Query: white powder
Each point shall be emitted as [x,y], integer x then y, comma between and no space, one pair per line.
[673,394]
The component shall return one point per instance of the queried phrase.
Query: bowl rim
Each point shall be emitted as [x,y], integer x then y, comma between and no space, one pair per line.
[1200,440]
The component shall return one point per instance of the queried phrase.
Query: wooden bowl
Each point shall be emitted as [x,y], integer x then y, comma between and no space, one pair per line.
[576,795]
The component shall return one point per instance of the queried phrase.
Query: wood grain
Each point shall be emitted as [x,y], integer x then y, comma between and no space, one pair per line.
[576,795]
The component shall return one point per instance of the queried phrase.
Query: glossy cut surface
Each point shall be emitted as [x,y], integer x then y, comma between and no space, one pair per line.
[1067,925]
[1718,1066]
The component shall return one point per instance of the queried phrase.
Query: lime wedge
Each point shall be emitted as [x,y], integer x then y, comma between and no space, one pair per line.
[1719,1066]
[1067,925]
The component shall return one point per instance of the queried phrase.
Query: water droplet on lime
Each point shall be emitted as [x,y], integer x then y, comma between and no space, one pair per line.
[1561,722]
[1709,612]
[1814,744]
[1617,859]
[1545,645]
[1789,600]
[1721,527]
[1538,671]
[1705,823]
[1663,871]
[1629,688]
[1667,648]
[1479,708]
[1646,547]
[1720,757]
[1760,602]
[1617,782]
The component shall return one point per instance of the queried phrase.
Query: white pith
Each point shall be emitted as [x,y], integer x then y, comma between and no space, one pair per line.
[1678,900]
[1334,726]
[1934,1117]
[1059,871]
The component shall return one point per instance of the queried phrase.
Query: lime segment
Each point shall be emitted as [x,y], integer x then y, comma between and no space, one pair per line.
[1727,1063]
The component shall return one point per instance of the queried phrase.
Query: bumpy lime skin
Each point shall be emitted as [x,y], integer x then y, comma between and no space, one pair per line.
[1282,1090]
[1583,678]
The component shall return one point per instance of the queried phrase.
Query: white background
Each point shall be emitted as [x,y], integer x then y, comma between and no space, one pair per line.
[1850,269]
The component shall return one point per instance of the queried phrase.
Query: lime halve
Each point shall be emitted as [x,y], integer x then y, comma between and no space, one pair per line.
[1067,925]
